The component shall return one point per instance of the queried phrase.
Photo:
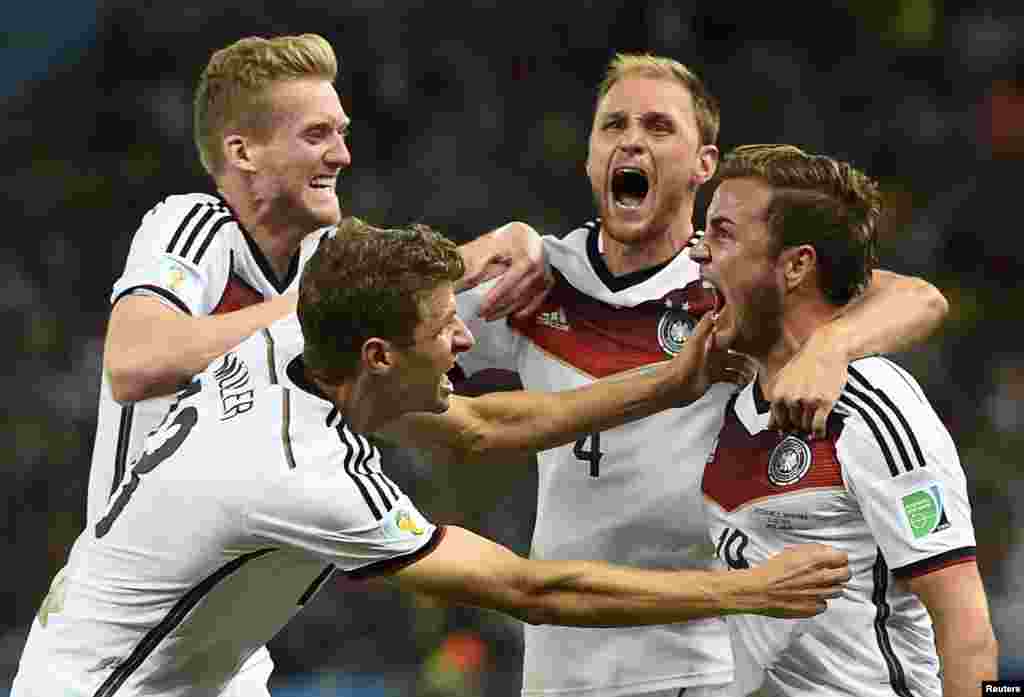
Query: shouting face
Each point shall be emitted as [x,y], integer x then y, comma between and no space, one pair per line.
[646,159]
[740,259]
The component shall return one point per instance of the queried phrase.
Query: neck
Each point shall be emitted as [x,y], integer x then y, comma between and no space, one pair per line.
[800,320]
[278,240]
[363,411]
[656,246]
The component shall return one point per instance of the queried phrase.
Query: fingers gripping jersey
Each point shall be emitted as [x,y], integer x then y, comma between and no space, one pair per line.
[629,495]
[191,253]
[886,486]
[240,504]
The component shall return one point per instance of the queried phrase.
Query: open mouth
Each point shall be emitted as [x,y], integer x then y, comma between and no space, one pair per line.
[629,187]
[717,295]
[323,182]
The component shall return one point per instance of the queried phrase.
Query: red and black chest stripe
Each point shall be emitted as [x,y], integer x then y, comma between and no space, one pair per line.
[599,339]
[748,467]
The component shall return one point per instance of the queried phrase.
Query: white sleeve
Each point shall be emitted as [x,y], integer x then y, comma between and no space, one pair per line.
[178,255]
[497,344]
[901,465]
[325,514]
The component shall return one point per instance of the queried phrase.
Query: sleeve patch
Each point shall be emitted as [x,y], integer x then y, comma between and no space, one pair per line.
[923,511]
[179,278]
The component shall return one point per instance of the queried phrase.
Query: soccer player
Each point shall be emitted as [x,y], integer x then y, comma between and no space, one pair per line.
[246,497]
[207,270]
[627,294]
[790,241]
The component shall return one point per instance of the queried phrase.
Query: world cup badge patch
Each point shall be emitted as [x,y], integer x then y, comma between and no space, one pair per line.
[789,462]
[674,327]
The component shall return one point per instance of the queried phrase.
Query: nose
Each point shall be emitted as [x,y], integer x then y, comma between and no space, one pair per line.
[463,339]
[632,139]
[338,155]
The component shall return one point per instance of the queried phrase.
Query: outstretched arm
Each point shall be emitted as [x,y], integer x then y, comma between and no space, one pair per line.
[152,350]
[955,598]
[471,570]
[894,313]
[476,429]
[515,252]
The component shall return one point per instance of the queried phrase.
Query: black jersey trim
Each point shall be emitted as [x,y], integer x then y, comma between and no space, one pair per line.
[897,440]
[612,282]
[286,423]
[893,468]
[184,224]
[947,558]
[271,363]
[210,235]
[351,470]
[316,585]
[162,292]
[183,252]
[390,566]
[172,619]
[915,446]
[265,268]
[897,676]
[124,433]
[365,454]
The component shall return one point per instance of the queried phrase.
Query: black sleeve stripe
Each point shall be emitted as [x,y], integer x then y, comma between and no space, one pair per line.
[365,452]
[183,252]
[162,292]
[390,566]
[356,478]
[895,410]
[171,620]
[947,558]
[209,237]
[886,421]
[316,585]
[897,676]
[390,484]
[893,469]
[271,361]
[286,418]
[124,437]
[184,223]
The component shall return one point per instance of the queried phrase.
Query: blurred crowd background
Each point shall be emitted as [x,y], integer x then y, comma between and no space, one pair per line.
[467,115]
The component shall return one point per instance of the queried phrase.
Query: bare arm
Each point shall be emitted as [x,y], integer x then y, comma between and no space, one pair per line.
[476,429]
[515,252]
[955,598]
[151,349]
[895,313]
[471,570]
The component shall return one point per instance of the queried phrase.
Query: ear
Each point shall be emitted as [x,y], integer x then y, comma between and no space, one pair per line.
[707,165]
[799,265]
[238,152]
[378,356]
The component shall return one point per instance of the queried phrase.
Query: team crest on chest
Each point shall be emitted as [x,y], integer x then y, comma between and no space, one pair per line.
[789,462]
[674,327]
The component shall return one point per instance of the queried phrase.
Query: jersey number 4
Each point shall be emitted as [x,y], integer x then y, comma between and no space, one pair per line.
[170,436]
[592,454]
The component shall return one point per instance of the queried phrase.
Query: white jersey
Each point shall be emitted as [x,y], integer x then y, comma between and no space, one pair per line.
[885,486]
[243,502]
[190,252]
[629,495]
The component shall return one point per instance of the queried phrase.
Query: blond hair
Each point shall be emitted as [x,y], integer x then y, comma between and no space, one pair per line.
[232,88]
[819,201]
[705,105]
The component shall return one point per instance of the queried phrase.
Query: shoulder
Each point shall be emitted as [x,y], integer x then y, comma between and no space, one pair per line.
[185,226]
[889,417]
